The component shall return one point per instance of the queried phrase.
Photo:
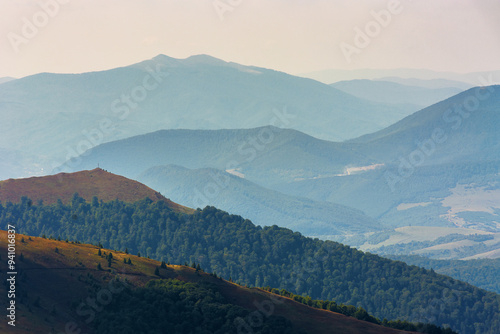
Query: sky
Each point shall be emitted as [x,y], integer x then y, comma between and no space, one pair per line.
[294,36]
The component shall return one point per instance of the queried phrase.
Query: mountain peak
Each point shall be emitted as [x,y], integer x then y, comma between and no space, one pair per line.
[204,59]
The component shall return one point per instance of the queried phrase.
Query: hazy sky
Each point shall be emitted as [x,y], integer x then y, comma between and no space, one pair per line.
[294,36]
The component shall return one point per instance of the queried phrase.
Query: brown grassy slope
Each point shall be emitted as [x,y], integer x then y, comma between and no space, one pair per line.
[106,186]
[65,278]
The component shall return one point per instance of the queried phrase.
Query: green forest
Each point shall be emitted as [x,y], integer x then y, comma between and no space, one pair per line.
[483,273]
[236,249]
[180,307]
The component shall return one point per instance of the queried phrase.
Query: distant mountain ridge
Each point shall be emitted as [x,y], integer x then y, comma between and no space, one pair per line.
[81,111]
[329,76]
[429,83]
[449,131]
[6,79]
[264,154]
[460,128]
[396,93]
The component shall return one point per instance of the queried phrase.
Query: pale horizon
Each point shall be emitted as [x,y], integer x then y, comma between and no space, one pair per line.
[76,36]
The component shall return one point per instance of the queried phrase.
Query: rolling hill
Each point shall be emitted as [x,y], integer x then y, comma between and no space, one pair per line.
[66,287]
[201,187]
[87,184]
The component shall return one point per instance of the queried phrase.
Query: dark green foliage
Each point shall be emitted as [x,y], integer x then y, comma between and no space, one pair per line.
[172,306]
[57,250]
[483,273]
[99,252]
[270,256]
[157,271]
[99,267]
[361,314]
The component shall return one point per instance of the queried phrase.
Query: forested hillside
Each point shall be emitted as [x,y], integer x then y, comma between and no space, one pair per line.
[483,273]
[235,248]
[58,282]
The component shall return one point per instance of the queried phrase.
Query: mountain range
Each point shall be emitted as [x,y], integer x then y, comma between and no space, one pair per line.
[80,111]
[400,163]
[240,251]
[395,93]
[460,80]
[421,171]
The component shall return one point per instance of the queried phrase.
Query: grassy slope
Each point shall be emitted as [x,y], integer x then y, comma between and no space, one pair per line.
[97,182]
[62,278]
